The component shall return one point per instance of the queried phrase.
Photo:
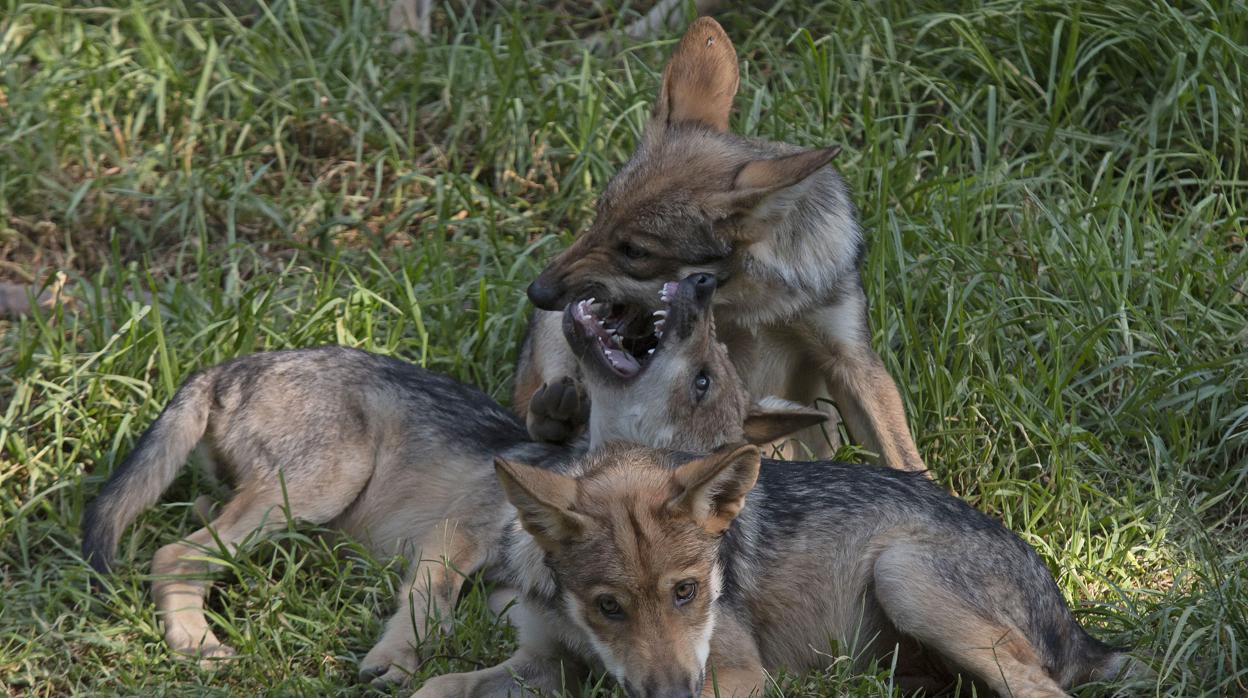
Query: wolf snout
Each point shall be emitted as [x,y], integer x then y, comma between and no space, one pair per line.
[544,294]
[653,690]
[671,692]
[704,286]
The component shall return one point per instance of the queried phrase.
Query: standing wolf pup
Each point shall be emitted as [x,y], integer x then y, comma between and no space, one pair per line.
[399,458]
[772,222]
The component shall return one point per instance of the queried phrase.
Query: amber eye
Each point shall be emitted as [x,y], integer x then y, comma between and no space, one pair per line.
[685,591]
[610,607]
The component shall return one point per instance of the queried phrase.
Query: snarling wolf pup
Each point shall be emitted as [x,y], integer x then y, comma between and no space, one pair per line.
[686,576]
[395,456]
[772,222]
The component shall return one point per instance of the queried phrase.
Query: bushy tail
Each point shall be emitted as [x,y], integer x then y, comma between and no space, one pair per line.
[147,472]
[1102,663]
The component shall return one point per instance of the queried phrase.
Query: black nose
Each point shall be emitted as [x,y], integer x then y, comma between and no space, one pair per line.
[704,287]
[543,296]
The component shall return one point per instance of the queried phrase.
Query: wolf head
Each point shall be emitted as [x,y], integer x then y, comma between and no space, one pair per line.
[634,545]
[674,386]
[691,196]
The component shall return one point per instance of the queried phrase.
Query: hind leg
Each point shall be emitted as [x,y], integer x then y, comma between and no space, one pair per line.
[181,574]
[426,602]
[995,652]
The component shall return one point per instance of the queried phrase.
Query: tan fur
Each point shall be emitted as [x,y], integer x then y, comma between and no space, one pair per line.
[180,595]
[701,78]
[734,669]
[996,653]
[852,372]
[427,599]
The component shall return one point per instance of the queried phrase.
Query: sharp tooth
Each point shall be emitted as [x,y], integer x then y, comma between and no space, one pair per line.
[649,352]
[660,313]
[590,300]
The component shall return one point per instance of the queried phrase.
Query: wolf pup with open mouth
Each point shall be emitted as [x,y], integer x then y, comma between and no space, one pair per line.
[773,223]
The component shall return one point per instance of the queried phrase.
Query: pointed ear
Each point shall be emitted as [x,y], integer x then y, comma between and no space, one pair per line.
[712,489]
[759,179]
[700,80]
[543,501]
[772,418]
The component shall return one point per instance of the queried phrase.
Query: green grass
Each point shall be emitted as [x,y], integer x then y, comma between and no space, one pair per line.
[1056,195]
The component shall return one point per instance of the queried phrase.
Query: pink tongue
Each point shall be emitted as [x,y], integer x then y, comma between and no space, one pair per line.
[622,362]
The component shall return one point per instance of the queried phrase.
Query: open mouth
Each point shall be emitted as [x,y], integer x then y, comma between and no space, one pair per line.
[623,338]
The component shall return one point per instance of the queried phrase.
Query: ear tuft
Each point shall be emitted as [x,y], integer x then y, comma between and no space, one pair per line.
[772,418]
[712,490]
[759,179]
[543,502]
[700,79]
[778,173]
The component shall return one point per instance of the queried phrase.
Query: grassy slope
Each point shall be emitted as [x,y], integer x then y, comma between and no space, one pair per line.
[1056,195]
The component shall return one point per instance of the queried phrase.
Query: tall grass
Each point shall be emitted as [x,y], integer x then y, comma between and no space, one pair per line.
[1055,193]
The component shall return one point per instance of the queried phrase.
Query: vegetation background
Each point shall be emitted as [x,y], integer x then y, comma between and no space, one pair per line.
[1055,193]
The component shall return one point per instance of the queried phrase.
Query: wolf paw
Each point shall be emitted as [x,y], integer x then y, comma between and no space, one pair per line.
[440,687]
[212,656]
[385,666]
[557,411]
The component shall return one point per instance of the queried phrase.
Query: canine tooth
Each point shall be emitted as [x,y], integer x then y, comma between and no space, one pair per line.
[648,353]
[660,313]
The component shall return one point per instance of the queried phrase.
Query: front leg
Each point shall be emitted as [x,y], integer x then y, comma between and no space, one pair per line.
[426,604]
[865,394]
[524,674]
[733,668]
[548,395]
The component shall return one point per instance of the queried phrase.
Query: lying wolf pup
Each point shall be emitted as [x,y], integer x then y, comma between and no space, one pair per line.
[395,456]
[684,576]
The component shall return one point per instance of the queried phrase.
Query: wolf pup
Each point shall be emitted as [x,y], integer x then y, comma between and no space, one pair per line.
[772,222]
[686,576]
[395,456]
